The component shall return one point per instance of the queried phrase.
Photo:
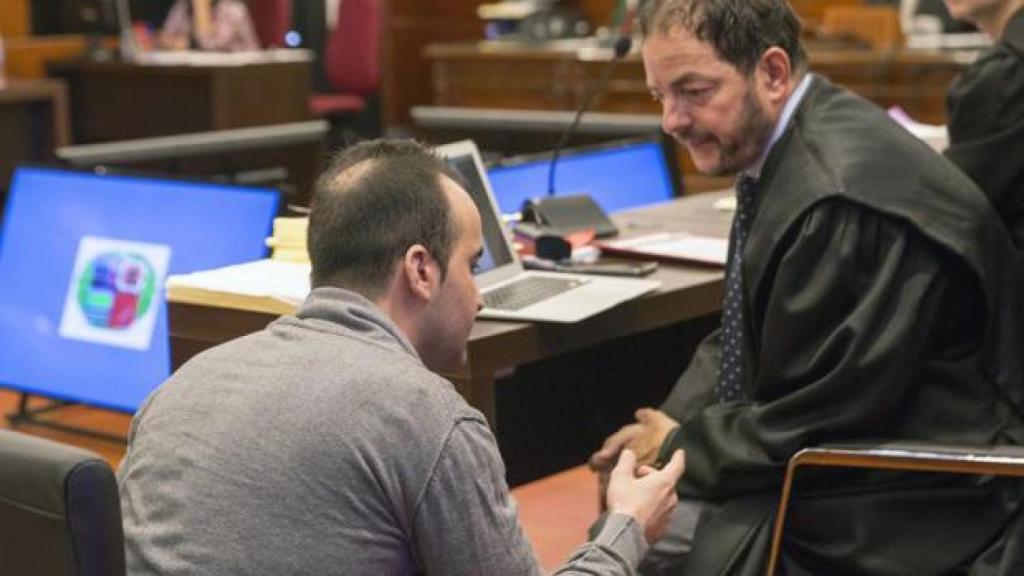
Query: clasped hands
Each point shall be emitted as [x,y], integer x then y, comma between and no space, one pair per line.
[644,438]
[631,453]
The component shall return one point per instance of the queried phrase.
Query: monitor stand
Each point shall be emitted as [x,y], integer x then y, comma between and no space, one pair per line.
[27,415]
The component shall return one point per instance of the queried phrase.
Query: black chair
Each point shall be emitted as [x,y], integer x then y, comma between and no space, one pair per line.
[59,510]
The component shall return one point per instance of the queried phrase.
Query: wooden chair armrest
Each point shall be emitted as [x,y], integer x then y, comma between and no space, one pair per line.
[910,456]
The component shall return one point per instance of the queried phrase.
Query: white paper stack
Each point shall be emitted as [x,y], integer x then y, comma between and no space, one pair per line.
[271,286]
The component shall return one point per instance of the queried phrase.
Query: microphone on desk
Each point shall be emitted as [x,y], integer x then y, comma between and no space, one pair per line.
[564,215]
[622,46]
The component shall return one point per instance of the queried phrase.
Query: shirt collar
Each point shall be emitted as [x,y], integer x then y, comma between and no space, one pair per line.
[788,110]
[342,311]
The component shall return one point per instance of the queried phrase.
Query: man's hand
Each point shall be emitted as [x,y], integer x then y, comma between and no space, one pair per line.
[608,454]
[644,438]
[648,496]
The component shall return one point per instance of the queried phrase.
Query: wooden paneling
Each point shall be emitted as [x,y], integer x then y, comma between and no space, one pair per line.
[813,11]
[598,12]
[436,9]
[34,116]
[916,81]
[531,77]
[534,77]
[409,25]
[28,56]
[119,100]
[877,26]
[14,18]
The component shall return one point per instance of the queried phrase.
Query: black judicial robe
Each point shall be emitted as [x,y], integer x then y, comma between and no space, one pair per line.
[881,303]
[986,125]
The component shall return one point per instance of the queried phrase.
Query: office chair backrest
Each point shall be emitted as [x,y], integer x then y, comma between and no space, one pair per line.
[272,19]
[59,510]
[352,55]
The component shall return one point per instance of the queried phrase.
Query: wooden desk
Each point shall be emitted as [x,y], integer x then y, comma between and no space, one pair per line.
[122,100]
[556,75]
[27,56]
[551,392]
[34,117]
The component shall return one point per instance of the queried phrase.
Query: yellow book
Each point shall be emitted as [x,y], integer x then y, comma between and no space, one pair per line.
[289,240]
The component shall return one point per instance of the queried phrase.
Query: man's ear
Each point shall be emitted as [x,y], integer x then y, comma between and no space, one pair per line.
[421,272]
[775,74]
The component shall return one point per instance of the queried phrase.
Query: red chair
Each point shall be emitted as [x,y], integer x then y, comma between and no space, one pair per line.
[272,20]
[351,63]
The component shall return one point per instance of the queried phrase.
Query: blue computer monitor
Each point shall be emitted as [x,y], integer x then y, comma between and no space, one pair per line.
[617,175]
[83,259]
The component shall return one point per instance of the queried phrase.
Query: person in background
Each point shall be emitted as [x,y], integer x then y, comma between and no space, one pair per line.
[986,109]
[223,25]
[871,295]
[327,443]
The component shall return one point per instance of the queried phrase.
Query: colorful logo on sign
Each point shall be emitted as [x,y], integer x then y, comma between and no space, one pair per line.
[115,289]
[114,292]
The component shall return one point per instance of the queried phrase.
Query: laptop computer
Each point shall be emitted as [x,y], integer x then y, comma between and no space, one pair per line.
[509,291]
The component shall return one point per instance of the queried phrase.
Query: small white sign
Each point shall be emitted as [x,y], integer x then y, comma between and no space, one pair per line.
[115,291]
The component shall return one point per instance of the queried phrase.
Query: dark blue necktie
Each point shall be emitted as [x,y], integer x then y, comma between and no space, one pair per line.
[730,371]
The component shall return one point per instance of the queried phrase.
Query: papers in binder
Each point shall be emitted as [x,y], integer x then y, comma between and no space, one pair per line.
[271,286]
[671,246]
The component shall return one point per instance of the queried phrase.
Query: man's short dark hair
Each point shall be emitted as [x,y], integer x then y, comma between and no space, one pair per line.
[374,201]
[740,31]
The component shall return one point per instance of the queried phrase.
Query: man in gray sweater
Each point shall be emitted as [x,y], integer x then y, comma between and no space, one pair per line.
[326,443]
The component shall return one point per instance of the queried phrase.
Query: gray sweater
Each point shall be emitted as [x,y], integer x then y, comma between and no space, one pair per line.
[322,445]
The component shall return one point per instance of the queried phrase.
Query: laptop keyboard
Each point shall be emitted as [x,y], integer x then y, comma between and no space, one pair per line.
[527,291]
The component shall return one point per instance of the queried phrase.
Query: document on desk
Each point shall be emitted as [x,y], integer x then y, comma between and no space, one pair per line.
[272,286]
[225,59]
[678,246]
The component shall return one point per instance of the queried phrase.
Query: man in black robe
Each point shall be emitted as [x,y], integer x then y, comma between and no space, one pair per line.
[986,109]
[871,294]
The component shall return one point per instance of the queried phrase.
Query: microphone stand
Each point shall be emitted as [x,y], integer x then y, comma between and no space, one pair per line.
[622,46]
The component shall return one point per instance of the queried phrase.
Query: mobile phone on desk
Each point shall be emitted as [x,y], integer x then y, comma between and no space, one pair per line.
[610,268]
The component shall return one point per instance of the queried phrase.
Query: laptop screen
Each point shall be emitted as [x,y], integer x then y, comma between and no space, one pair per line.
[83,259]
[617,175]
[496,247]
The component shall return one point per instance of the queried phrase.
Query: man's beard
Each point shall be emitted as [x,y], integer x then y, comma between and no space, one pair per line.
[744,147]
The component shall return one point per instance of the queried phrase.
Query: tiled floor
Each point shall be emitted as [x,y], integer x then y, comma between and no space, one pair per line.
[556,512]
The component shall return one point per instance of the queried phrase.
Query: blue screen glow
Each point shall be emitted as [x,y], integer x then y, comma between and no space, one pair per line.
[83,258]
[617,178]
